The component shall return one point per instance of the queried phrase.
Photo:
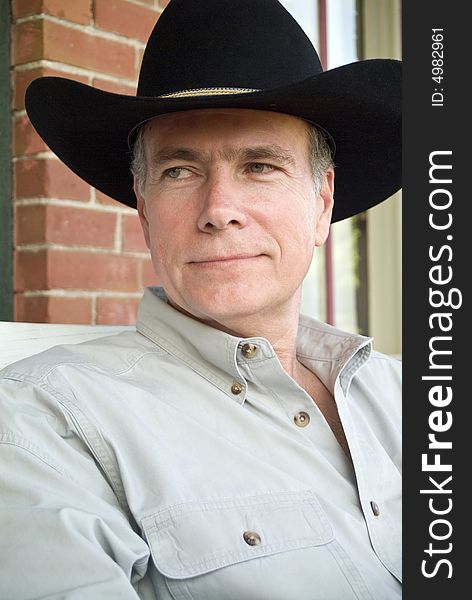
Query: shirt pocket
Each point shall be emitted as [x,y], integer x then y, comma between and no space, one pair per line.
[274,545]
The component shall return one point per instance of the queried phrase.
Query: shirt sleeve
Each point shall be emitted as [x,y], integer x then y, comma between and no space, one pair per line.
[63,532]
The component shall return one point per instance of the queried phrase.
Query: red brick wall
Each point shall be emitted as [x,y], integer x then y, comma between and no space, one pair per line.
[79,256]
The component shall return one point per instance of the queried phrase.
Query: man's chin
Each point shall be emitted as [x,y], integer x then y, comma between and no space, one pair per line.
[222,307]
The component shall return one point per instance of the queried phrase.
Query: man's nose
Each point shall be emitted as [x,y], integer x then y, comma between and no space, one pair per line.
[223,203]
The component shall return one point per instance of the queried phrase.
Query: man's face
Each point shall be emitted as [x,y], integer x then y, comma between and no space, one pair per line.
[230,211]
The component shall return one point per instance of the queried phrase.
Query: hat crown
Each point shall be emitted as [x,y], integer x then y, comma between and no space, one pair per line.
[254,44]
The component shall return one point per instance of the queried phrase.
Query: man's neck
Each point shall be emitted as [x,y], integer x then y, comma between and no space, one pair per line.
[278,325]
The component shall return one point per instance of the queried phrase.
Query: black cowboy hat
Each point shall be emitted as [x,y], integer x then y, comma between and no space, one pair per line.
[234,54]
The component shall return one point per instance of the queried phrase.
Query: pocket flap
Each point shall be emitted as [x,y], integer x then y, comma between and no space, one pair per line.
[197,537]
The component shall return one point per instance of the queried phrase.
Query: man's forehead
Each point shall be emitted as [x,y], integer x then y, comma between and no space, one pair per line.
[226,130]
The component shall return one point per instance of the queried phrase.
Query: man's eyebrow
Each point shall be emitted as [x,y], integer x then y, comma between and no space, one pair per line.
[168,154]
[271,152]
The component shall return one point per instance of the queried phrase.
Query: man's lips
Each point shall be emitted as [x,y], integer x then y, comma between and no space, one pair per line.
[222,260]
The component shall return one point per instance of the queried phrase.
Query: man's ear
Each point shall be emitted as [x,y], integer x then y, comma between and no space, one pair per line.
[141,206]
[324,210]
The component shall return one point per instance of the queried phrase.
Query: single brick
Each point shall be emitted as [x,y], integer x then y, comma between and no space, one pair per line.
[30,224]
[53,309]
[82,49]
[91,271]
[55,224]
[125,18]
[78,11]
[30,270]
[27,42]
[43,39]
[25,8]
[48,178]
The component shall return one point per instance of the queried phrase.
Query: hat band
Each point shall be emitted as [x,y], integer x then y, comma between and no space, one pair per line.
[212,91]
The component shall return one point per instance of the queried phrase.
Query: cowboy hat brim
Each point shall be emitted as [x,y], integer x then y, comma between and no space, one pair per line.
[357,104]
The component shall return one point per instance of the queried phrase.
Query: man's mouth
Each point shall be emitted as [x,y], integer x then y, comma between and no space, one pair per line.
[225,260]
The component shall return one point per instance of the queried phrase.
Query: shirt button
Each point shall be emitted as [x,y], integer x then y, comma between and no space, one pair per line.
[301,419]
[236,388]
[252,538]
[375,508]
[249,350]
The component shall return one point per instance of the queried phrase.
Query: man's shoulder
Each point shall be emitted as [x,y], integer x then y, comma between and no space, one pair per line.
[112,354]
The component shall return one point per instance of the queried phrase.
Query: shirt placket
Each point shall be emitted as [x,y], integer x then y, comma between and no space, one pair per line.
[303,417]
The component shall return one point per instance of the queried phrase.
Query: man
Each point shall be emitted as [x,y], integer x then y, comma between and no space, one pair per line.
[228,448]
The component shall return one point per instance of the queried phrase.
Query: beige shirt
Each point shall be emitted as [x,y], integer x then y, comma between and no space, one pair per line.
[173,463]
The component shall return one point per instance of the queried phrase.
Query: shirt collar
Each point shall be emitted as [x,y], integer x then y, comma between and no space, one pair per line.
[329,352]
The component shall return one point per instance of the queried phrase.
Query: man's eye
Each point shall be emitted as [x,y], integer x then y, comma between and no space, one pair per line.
[260,168]
[177,173]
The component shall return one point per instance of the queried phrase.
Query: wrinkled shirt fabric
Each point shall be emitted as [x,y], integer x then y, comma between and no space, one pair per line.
[131,467]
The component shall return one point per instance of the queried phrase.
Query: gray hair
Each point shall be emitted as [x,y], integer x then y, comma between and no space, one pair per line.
[320,156]
[138,163]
